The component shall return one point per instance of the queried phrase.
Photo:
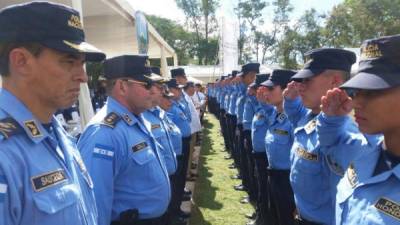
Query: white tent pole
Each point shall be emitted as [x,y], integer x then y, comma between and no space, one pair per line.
[164,63]
[85,103]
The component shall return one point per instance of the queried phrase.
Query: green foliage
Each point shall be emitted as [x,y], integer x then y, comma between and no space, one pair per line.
[356,20]
[94,70]
[200,17]
[176,36]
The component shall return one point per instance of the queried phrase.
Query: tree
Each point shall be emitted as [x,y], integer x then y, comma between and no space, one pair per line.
[201,19]
[356,20]
[176,36]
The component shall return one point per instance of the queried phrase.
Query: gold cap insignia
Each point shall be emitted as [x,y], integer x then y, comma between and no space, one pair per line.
[75,22]
[370,51]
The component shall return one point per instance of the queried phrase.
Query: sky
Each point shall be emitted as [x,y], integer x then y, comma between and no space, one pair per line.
[169,9]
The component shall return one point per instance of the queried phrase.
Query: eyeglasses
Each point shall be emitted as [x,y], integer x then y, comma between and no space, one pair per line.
[144,84]
[271,88]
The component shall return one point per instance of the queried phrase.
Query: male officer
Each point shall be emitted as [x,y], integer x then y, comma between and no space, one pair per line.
[128,169]
[42,177]
[246,77]
[368,192]
[278,142]
[326,69]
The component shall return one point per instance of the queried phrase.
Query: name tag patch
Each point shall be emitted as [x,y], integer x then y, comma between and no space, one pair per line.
[139,146]
[47,180]
[3,188]
[306,155]
[388,207]
[281,132]
[103,152]
[155,126]
[310,127]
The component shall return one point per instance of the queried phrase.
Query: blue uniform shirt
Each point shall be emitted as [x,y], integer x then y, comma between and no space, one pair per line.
[174,131]
[160,131]
[241,98]
[232,100]
[250,107]
[308,173]
[185,107]
[126,165]
[43,180]
[259,127]
[279,141]
[177,115]
[367,198]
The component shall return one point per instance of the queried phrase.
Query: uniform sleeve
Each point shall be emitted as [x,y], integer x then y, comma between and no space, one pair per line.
[295,110]
[101,153]
[330,129]
[10,202]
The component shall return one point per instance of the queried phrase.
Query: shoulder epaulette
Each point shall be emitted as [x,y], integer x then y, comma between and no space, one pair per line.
[111,119]
[10,127]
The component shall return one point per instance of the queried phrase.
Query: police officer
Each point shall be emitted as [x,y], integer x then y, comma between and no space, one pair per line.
[368,192]
[326,69]
[246,77]
[128,168]
[278,142]
[177,114]
[42,177]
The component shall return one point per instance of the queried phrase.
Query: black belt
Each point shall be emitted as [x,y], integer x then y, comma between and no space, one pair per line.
[153,221]
[275,172]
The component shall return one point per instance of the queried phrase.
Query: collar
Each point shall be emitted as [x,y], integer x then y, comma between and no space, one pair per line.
[17,110]
[116,107]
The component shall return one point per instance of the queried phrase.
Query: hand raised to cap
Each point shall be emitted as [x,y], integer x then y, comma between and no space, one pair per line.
[291,91]
[336,102]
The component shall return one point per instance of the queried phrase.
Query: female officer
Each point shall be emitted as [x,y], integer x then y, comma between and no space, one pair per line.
[369,191]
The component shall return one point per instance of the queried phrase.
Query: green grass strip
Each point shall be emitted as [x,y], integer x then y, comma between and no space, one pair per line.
[215,200]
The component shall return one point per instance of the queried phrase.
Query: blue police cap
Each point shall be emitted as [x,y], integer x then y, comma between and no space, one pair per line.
[279,77]
[260,78]
[249,67]
[167,93]
[178,72]
[319,60]
[234,73]
[172,83]
[379,66]
[156,70]
[130,66]
[53,25]
[189,84]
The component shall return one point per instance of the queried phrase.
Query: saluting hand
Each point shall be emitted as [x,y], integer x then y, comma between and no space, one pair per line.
[291,91]
[336,102]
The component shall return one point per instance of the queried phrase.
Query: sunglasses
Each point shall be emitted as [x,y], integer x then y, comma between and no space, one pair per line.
[146,85]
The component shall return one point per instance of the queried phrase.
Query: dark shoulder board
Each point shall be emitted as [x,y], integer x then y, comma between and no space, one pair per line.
[111,119]
[9,127]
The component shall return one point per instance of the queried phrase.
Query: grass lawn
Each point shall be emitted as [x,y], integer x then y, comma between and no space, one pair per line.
[215,200]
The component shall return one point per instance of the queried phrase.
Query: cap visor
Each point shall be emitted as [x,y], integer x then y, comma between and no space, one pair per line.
[91,52]
[306,73]
[155,78]
[366,81]
[267,83]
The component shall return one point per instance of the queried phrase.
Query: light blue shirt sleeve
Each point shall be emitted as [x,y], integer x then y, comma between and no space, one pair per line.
[295,110]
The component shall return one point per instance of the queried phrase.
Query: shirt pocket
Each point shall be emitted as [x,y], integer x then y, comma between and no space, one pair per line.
[143,156]
[56,199]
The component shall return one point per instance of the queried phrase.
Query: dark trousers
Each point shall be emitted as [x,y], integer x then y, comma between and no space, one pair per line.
[282,196]
[224,128]
[153,221]
[177,181]
[260,171]
[231,131]
[251,179]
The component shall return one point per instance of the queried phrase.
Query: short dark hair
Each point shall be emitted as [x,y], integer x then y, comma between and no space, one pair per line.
[7,47]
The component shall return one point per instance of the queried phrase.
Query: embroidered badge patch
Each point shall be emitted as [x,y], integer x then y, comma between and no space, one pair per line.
[47,180]
[33,128]
[9,127]
[352,175]
[139,146]
[3,188]
[306,155]
[111,119]
[103,152]
[388,207]
[310,127]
